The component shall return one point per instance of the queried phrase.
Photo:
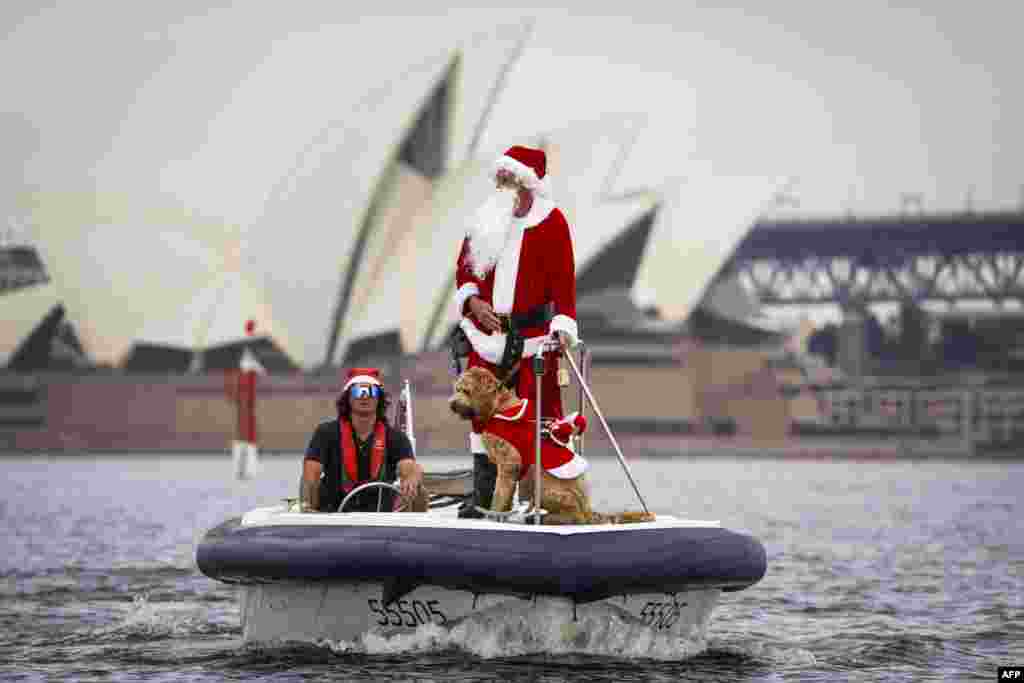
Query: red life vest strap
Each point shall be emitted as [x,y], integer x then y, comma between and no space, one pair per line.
[350,455]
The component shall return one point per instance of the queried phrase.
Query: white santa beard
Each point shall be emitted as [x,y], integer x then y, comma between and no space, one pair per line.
[489,231]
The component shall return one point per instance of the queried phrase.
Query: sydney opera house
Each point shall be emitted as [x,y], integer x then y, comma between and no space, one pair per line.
[121,318]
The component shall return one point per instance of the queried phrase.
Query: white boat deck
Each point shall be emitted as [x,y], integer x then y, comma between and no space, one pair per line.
[447,518]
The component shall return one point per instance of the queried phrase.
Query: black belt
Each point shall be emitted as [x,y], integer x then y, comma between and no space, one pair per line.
[510,324]
[536,317]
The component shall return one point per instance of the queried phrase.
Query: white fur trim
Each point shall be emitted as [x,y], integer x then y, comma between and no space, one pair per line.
[569,419]
[505,274]
[476,443]
[491,347]
[541,209]
[563,444]
[526,175]
[463,293]
[572,469]
[531,345]
[507,270]
[563,323]
[513,418]
[361,379]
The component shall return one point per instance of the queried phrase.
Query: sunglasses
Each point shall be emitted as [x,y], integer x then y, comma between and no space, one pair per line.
[364,391]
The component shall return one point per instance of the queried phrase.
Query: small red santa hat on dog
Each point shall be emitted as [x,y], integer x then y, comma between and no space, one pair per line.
[529,165]
[362,376]
[574,423]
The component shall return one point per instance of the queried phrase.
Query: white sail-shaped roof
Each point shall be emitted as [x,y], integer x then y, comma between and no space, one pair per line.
[428,281]
[357,242]
[678,267]
[116,265]
[583,162]
[139,274]
[353,241]
[302,248]
[408,259]
[487,59]
[217,314]
[381,281]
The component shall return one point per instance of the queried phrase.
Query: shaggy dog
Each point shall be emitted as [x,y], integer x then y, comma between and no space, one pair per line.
[479,395]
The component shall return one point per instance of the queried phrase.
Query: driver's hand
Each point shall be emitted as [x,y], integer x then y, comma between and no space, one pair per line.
[409,486]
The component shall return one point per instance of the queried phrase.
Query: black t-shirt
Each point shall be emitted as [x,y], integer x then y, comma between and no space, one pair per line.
[325,448]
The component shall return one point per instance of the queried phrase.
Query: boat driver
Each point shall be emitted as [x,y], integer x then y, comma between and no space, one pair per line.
[358,447]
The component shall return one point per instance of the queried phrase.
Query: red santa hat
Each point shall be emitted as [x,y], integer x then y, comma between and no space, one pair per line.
[362,376]
[574,423]
[529,165]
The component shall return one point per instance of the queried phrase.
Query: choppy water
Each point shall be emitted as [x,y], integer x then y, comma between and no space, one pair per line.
[876,571]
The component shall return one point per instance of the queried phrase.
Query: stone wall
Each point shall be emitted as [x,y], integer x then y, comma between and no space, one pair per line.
[194,413]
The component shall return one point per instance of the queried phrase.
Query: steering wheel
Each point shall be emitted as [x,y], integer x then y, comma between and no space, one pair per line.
[380,498]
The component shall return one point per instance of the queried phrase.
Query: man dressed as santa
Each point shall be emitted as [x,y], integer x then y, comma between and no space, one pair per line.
[516,271]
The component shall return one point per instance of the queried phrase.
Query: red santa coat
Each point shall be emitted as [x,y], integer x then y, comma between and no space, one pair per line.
[518,426]
[536,269]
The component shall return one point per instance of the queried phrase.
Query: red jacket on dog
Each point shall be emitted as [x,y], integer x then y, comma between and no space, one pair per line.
[514,426]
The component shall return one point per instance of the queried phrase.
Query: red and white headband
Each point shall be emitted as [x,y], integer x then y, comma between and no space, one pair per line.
[362,379]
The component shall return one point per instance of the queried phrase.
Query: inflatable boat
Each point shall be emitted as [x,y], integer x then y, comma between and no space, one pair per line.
[313,577]
[338,576]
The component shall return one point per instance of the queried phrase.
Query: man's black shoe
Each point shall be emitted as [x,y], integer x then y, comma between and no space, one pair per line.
[468,511]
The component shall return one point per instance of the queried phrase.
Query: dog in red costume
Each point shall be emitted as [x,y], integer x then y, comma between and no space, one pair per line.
[509,433]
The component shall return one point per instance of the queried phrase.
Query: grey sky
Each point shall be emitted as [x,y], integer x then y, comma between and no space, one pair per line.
[207,108]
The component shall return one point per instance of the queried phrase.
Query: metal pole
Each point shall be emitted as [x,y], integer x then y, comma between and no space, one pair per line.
[407,396]
[607,429]
[582,402]
[538,375]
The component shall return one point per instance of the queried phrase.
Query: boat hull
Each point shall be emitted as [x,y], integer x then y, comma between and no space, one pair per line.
[344,613]
[339,577]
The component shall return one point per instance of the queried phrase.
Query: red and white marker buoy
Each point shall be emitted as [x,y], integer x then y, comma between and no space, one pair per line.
[245,452]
